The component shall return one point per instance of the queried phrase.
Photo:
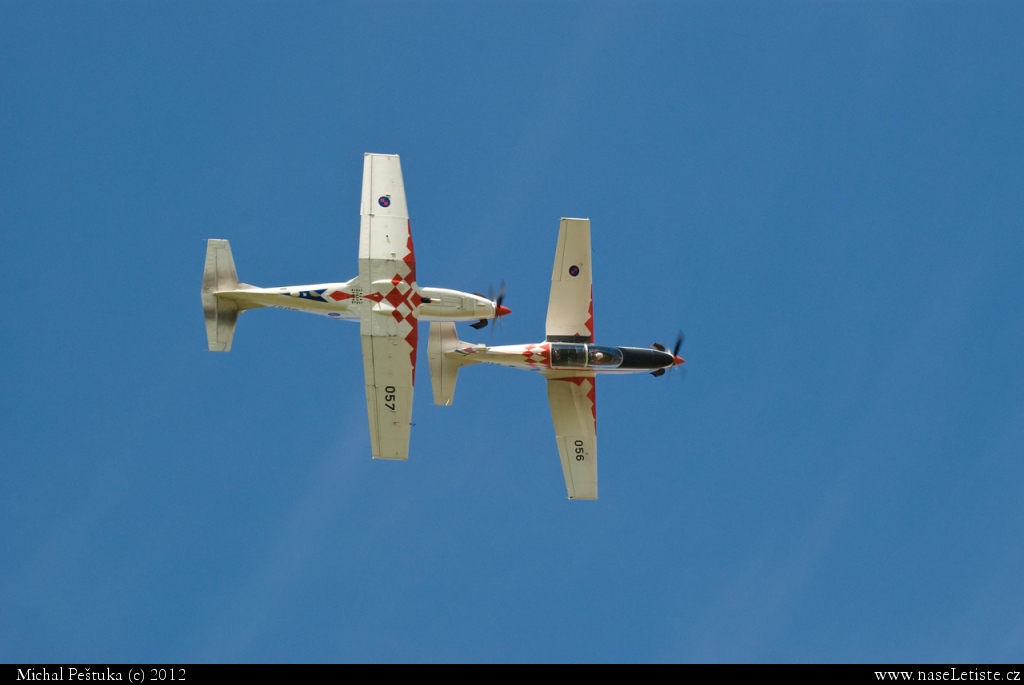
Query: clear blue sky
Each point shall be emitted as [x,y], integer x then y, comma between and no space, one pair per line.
[826,197]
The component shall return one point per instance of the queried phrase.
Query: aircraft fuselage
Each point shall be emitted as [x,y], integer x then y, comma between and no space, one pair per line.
[342,300]
[567,356]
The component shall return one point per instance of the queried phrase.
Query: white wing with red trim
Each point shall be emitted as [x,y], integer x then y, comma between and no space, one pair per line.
[574,412]
[388,395]
[571,304]
[388,304]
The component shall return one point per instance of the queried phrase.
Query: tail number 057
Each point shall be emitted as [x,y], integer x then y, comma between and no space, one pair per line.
[389,397]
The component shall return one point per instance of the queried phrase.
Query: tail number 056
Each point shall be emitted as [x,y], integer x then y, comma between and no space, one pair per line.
[580,451]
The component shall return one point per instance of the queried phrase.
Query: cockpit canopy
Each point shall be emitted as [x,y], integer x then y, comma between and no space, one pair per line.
[567,355]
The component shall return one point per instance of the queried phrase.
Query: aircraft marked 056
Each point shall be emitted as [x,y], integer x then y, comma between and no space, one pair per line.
[567,358]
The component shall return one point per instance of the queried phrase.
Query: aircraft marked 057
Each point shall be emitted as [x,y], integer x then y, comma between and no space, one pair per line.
[384,298]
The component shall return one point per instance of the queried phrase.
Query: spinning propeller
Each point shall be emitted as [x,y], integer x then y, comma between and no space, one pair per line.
[675,353]
[499,310]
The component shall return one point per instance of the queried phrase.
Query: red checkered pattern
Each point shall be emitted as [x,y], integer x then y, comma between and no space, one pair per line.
[538,356]
[590,322]
[404,298]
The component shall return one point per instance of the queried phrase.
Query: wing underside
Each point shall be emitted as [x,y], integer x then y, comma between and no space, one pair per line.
[571,305]
[389,389]
[388,304]
[574,412]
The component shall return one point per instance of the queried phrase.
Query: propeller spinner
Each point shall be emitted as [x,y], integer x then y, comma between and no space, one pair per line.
[499,309]
[675,353]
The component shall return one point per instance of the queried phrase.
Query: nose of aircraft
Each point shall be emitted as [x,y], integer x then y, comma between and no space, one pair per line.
[678,360]
[503,310]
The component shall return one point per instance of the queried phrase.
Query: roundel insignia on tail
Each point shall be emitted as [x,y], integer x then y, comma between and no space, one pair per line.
[384,201]
[574,270]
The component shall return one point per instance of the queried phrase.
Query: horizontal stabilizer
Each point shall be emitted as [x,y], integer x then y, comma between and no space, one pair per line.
[444,370]
[221,314]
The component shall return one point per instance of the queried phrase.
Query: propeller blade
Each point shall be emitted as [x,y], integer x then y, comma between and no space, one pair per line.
[675,354]
[499,311]
[678,345]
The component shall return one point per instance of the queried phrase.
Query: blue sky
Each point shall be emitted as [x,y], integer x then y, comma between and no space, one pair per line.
[826,197]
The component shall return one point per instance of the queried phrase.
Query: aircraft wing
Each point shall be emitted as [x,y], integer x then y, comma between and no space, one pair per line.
[388,371]
[571,304]
[389,311]
[574,412]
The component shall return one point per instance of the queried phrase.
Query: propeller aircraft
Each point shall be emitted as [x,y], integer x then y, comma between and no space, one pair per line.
[568,359]
[384,298]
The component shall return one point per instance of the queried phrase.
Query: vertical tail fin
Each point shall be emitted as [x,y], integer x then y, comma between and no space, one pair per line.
[218,275]
[444,370]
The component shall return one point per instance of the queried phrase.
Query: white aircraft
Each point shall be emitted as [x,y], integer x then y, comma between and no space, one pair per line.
[384,298]
[567,358]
